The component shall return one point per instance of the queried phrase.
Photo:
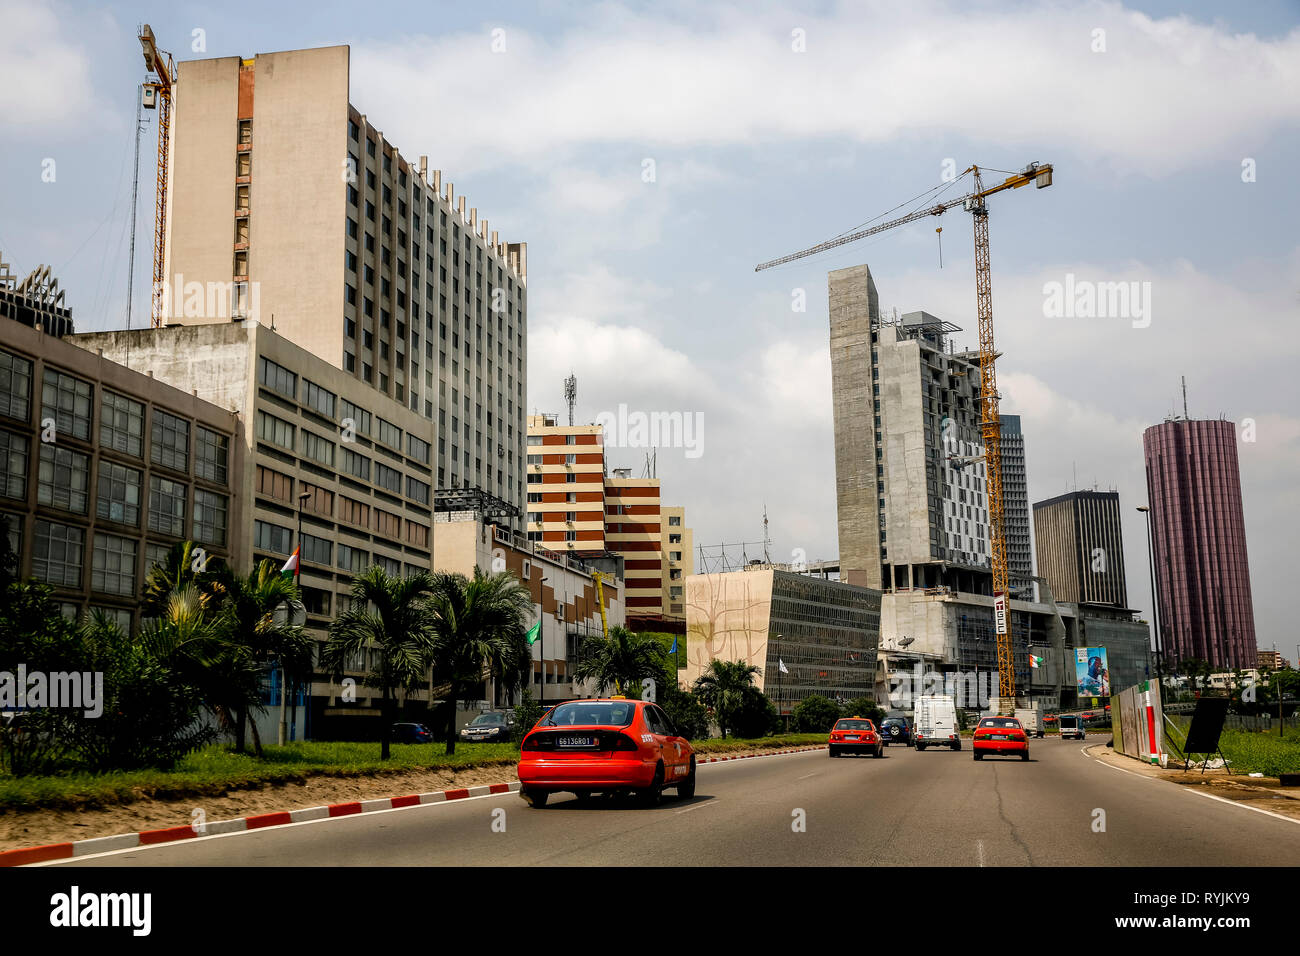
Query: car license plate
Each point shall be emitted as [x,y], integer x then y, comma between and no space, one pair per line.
[852,737]
[999,736]
[577,742]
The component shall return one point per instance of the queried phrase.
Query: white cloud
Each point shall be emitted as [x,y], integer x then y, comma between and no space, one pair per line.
[45,72]
[1167,94]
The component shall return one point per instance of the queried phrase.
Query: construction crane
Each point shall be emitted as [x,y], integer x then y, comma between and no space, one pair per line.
[157,93]
[1040,174]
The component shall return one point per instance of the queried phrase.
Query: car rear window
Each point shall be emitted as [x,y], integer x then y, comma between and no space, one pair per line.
[853,725]
[581,713]
[1003,722]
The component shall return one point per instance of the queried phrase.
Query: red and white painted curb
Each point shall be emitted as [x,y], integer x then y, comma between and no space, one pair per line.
[127,841]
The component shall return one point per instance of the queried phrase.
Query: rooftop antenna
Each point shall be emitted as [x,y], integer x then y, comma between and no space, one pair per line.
[1185,416]
[571,394]
[767,542]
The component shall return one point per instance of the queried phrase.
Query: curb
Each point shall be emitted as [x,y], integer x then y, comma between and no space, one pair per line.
[127,841]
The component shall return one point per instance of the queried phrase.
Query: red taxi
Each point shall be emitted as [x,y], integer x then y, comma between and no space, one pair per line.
[1000,736]
[855,735]
[605,745]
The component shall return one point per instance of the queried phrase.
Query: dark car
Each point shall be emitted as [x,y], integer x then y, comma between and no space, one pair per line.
[411,734]
[896,730]
[492,727]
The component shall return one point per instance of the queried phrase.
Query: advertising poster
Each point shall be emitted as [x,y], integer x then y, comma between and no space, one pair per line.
[1092,671]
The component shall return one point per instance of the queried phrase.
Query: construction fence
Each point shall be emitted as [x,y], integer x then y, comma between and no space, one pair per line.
[1128,712]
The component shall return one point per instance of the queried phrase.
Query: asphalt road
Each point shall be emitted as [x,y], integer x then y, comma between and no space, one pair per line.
[932,808]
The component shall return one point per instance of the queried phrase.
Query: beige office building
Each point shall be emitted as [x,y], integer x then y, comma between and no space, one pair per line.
[288,206]
[566,486]
[678,548]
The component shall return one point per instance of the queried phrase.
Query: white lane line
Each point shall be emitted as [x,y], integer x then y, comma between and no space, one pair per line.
[280,826]
[979,850]
[1195,793]
[807,775]
[696,807]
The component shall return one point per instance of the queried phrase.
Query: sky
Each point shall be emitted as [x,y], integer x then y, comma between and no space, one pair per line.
[651,154]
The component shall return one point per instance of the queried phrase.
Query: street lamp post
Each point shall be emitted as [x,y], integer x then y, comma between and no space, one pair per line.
[1155,599]
[284,674]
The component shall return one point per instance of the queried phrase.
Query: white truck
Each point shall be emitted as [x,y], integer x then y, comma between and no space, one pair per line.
[1032,720]
[935,722]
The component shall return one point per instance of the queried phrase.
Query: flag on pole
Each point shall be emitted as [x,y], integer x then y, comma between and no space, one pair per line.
[780,665]
[290,569]
[673,649]
[1035,662]
[534,632]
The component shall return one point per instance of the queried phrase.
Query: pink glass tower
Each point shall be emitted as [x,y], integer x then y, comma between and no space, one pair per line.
[1199,543]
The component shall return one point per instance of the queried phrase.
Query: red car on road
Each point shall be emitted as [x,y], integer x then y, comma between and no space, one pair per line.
[1000,736]
[605,745]
[855,735]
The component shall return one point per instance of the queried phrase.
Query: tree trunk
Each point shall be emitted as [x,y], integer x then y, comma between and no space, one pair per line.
[257,738]
[241,725]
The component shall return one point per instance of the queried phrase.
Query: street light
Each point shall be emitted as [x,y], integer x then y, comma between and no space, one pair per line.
[1155,600]
[303,496]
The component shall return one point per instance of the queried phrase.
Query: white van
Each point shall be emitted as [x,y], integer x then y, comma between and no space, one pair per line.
[1071,726]
[936,722]
[1032,720]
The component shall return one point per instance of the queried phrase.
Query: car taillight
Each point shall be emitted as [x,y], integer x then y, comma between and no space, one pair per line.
[622,742]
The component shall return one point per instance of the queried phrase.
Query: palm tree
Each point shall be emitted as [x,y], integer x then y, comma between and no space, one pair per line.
[249,605]
[622,660]
[479,632]
[183,565]
[392,616]
[722,688]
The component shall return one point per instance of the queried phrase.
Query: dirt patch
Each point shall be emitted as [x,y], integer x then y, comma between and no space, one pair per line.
[38,827]
[1264,793]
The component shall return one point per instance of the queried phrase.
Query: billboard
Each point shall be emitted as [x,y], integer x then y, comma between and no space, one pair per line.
[1092,671]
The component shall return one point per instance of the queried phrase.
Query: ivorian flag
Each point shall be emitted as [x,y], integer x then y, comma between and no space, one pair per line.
[534,632]
[290,569]
[1035,662]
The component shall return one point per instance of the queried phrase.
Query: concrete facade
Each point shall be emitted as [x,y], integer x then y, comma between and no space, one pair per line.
[825,632]
[678,548]
[1081,547]
[287,206]
[1015,505]
[103,469]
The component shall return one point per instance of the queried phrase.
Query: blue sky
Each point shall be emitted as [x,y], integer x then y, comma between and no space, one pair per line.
[646,290]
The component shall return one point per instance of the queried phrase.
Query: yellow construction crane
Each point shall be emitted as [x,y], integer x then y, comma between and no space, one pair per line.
[1040,174]
[158,93]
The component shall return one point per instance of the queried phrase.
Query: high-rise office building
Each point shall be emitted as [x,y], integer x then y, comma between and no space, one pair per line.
[566,486]
[1015,507]
[1080,547]
[1198,531]
[346,248]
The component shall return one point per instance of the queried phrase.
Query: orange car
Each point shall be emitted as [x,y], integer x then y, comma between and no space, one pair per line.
[605,745]
[856,735]
[1000,736]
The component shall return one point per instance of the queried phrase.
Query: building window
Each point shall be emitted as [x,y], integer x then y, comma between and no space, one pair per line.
[119,493]
[417,534]
[318,399]
[166,506]
[354,512]
[274,430]
[57,554]
[242,195]
[271,537]
[417,490]
[15,386]
[317,550]
[63,479]
[317,448]
[359,416]
[113,565]
[417,449]
[171,441]
[356,465]
[245,132]
[210,516]
[389,525]
[121,424]
[352,559]
[15,456]
[390,434]
[274,484]
[211,455]
[67,400]
[276,377]
[388,478]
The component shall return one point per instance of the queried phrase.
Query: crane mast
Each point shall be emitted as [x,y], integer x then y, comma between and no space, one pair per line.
[159,93]
[990,422]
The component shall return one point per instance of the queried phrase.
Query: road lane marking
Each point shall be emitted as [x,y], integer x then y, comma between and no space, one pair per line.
[696,807]
[979,849]
[807,775]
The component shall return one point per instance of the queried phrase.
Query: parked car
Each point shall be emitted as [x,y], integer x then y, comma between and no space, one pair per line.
[896,730]
[855,735]
[999,737]
[606,745]
[492,727]
[411,734]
